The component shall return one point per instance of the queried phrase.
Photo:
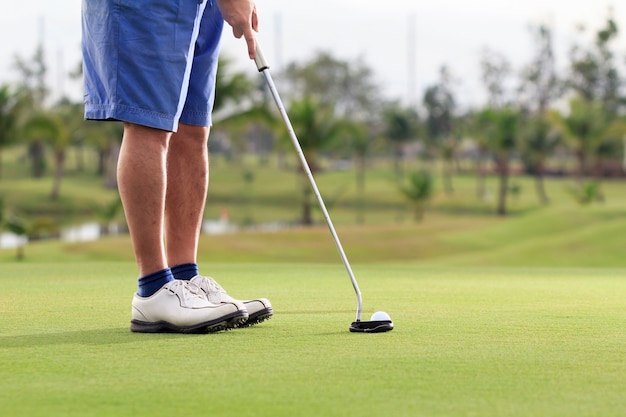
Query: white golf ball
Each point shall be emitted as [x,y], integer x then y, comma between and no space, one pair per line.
[380,316]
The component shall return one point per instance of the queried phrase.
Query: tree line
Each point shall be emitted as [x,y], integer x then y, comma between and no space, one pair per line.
[532,118]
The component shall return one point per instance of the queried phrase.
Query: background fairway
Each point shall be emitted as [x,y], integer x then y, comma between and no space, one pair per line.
[552,237]
[468,341]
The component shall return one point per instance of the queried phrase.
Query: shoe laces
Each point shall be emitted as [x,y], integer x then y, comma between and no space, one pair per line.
[188,293]
[212,286]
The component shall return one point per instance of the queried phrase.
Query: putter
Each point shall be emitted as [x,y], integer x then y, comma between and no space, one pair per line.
[358,326]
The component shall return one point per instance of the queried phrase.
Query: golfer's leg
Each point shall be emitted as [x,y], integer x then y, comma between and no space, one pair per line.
[141,178]
[187,184]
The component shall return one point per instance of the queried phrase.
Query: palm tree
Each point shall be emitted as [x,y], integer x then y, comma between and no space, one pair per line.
[541,139]
[583,128]
[242,108]
[316,129]
[418,190]
[230,86]
[8,119]
[500,129]
[610,146]
[594,70]
[401,125]
[106,138]
[42,128]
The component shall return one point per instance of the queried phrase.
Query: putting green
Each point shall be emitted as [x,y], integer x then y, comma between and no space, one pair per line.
[467,341]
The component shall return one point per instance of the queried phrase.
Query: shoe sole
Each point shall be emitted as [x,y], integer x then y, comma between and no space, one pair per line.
[223,323]
[258,317]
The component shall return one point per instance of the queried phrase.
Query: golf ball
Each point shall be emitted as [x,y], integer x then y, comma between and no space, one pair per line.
[380,316]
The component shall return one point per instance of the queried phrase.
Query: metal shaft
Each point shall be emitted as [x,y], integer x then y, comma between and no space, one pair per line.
[263,67]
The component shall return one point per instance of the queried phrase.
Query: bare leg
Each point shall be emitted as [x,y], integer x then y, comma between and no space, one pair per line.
[142,180]
[187,185]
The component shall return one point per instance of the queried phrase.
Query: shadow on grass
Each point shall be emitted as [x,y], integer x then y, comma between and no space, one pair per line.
[97,337]
[323,312]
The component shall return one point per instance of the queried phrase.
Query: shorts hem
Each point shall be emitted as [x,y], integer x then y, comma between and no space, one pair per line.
[196,118]
[131,115]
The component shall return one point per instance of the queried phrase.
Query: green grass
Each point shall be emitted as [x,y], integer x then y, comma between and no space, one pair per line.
[552,237]
[467,342]
[517,316]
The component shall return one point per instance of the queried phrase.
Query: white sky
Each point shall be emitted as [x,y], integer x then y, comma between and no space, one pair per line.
[446,32]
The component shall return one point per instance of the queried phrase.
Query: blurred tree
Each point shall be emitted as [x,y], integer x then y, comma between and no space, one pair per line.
[587,192]
[474,126]
[8,119]
[540,87]
[348,88]
[500,128]
[105,139]
[316,129]
[33,78]
[418,189]
[232,88]
[241,110]
[540,139]
[47,128]
[360,138]
[32,94]
[495,73]
[504,144]
[440,106]
[80,125]
[610,148]
[401,127]
[595,78]
[345,91]
[594,75]
[497,123]
[583,128]
[72,130]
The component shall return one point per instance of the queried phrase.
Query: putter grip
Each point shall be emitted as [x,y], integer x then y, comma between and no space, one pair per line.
[259,59]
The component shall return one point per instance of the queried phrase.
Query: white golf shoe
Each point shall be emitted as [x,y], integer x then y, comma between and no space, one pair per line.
[181,307]
[259,309]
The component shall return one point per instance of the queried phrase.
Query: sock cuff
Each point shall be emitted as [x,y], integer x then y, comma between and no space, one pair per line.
[151,283]
[185,271]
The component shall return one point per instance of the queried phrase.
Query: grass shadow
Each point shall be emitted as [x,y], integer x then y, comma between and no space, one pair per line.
[321,312]
[95,337]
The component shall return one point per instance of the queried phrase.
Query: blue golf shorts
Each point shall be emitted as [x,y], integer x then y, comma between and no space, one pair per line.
[150,62]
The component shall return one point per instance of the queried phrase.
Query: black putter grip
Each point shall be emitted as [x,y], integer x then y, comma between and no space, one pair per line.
[259,59]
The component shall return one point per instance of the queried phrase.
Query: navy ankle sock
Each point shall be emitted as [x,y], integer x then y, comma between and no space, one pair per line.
[185,271]
[151,283]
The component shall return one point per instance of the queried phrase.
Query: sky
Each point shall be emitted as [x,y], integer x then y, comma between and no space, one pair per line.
[404,42]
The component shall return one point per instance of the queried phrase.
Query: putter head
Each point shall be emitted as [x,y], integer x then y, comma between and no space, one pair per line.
[373,326]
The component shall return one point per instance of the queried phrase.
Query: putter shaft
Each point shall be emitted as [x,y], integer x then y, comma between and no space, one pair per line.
[263,67]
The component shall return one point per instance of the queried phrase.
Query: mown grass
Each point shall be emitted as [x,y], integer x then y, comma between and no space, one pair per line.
[515,316]
[468,341]
[551,237]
